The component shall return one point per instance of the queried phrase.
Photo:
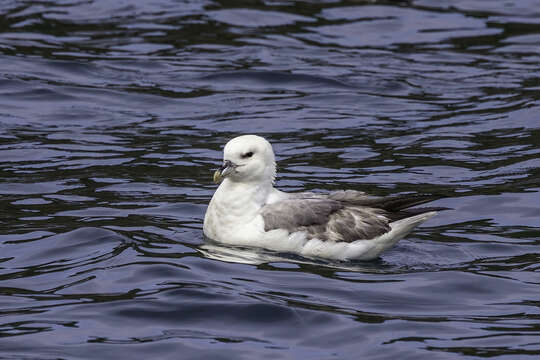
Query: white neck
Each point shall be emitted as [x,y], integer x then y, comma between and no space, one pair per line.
[234,205]
[244,194]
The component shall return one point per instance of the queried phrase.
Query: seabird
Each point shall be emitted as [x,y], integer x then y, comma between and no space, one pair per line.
[247,210]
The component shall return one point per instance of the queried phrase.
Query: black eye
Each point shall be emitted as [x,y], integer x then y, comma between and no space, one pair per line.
[247,155]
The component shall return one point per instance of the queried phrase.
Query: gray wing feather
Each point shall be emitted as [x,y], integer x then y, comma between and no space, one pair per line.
[294,213]
[325,218]
[342,215]
[356,223]
[388,203]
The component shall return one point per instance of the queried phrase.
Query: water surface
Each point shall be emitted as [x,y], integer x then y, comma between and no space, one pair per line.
[112,119]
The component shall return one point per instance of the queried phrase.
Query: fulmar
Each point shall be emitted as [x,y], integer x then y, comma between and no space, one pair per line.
[247,210]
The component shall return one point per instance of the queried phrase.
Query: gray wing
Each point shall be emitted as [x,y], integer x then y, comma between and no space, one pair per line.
[342,215]
[294,213]
[325,218]
[392,204]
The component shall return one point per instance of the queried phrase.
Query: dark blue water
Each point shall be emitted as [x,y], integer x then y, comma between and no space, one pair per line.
[113,115]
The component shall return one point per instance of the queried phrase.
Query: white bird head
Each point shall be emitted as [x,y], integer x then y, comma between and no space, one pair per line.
[247,158]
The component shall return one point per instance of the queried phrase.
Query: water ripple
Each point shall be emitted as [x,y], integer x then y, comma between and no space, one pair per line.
[112,119]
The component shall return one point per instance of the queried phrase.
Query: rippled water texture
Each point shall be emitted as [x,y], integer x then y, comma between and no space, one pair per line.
[113,115]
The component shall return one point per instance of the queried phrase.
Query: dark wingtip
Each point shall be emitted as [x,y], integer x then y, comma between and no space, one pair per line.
[401,202]
[398,215]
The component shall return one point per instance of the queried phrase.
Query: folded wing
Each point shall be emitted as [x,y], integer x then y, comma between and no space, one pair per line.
[343,215]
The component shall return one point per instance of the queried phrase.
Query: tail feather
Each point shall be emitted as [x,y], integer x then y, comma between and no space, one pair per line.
[399,229]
